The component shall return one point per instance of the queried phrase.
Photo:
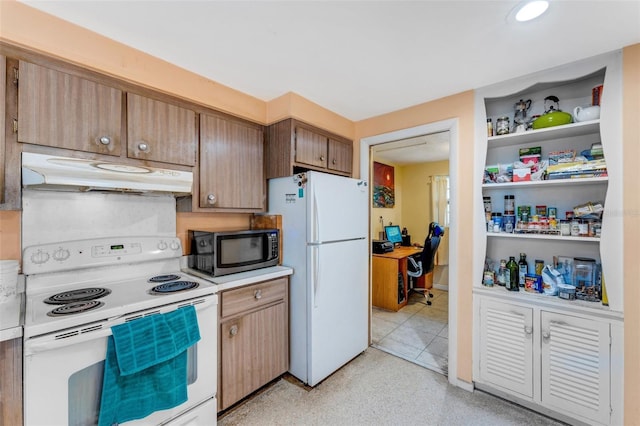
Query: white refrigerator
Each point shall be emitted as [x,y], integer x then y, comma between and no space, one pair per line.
[325,240]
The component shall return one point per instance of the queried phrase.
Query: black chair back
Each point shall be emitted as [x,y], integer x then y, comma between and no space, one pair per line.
[431,244]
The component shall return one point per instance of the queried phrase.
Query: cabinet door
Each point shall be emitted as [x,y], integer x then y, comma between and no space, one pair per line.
[311,148]
[61,110]
[254,351]
[340,156]
[231,165]
[3,89]
[576,366]
[506,346]
[159,131]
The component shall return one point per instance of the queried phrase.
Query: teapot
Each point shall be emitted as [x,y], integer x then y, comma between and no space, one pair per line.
[586,113]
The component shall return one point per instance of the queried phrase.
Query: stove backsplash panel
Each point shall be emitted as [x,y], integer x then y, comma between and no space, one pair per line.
[52,216]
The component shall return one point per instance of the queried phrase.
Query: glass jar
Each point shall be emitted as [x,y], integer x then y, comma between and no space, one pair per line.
[509,205]
[565,227]
[583,228]
[502,126]
[575,227]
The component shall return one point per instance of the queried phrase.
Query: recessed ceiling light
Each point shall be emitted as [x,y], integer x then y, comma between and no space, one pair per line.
[531,10]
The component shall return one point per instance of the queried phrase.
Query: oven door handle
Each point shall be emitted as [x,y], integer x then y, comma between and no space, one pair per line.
[40,345]
[43,344]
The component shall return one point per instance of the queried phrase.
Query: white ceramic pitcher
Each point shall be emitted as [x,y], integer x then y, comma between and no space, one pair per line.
[586,113]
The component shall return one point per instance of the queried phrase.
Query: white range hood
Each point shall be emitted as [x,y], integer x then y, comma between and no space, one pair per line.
[75,174]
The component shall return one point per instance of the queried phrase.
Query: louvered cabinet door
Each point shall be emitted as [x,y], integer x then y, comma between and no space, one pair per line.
[576,366]
[506,346]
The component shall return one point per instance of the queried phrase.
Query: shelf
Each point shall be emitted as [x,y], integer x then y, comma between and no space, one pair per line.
[545,183]
[542,237]
[542,135]
[578,306]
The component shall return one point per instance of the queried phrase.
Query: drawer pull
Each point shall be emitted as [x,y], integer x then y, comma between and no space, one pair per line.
[233,330]
[258,294]
[105,140]
[322,158]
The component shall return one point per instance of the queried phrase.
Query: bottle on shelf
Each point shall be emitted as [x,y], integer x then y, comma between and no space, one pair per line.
[523,269]
[512,266]
[503,273]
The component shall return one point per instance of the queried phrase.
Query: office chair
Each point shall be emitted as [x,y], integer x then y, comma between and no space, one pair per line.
[425,262]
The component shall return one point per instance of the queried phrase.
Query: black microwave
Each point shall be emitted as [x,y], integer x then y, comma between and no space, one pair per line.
[219,253]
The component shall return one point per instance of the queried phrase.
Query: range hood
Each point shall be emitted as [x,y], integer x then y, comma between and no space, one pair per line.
[76,174]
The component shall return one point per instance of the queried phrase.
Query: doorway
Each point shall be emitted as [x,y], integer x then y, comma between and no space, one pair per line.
[437,326]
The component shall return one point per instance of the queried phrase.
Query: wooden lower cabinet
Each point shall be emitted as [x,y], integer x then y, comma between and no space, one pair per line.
[11,382]
[254,338]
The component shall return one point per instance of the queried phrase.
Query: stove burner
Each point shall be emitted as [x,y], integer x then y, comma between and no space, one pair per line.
[173,287]
[164,278]
[75,308]
[77,295]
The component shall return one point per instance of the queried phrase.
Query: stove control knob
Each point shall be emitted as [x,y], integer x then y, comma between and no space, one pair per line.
[61,254]
[162,245]
[175,246]
[40,257]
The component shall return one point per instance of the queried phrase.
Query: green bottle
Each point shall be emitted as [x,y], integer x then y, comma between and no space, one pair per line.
[512,266]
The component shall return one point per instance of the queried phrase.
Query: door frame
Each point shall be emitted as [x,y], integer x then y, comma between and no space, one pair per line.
[366,165]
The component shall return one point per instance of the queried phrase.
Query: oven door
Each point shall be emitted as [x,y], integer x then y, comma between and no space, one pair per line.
[63,376]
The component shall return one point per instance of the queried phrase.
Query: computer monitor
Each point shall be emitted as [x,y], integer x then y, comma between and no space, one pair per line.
[393,234]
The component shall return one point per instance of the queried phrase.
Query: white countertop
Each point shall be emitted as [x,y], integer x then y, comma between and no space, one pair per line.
[11,317]
[240,279]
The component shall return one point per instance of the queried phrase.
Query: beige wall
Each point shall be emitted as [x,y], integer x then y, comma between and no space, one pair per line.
[458,106]
[631,206]
[27,27]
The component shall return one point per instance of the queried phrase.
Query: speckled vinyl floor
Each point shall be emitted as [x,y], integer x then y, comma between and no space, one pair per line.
[377,388]
[417,332]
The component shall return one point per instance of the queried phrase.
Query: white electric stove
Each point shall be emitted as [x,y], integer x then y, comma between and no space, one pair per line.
[75,292]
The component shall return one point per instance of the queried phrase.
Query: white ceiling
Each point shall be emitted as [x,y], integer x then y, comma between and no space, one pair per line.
[362,58]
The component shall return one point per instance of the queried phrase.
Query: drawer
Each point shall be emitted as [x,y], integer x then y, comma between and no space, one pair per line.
[252,296]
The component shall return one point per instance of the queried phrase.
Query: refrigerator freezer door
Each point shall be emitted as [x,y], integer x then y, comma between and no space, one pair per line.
[337,303]
[337,208]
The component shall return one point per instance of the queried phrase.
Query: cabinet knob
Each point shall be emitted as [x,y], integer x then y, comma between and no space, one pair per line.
[546,334]
[143,146]
[258,294]
[104,140]
[211,199]
[233,330]
[333,161]
[528,329]
[322,158]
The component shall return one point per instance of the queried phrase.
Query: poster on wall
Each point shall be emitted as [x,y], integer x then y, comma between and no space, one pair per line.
[383,186]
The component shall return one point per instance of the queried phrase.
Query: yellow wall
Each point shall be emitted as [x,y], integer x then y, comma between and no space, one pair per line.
[631,211]
[416,205]
[460,106]
[24,26]
[389,214]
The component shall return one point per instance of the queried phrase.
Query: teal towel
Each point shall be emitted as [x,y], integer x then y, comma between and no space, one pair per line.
[146,365]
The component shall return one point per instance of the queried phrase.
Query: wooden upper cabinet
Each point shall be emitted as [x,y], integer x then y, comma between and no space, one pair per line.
[340,156]
[231,165]
[159,131]
[311,148]
[65,111]
[293,146]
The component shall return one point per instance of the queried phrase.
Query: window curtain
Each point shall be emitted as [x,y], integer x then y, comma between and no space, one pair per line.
[439,213]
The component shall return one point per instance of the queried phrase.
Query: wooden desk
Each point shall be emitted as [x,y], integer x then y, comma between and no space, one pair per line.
[386,268]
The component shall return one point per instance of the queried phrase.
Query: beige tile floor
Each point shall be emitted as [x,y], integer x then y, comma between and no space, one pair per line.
[417,332]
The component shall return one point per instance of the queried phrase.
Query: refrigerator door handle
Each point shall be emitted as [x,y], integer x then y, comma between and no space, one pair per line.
[316,223]
[316,274]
